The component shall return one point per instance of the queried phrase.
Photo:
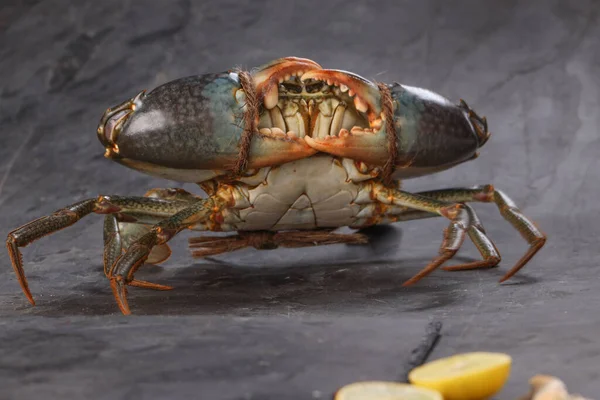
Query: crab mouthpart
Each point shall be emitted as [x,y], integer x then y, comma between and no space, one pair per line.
[269,76]
[301,101]
[365,94]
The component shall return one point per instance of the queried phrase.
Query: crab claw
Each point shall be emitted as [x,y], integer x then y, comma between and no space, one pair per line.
[273,146]
[367,147]
[365,94]
[268,76]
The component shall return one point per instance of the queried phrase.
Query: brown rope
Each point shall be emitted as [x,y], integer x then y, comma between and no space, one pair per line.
[390,130]
[250,120]
[262,240]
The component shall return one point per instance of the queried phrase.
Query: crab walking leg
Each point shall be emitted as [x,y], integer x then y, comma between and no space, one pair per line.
[38,228]
[117,235]
[122,272]
[69,215]
[113,247]
[508,209]
[487,249]
[458,214]
[122,230]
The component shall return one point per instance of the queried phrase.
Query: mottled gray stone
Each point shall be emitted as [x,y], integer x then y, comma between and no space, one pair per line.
[298,323]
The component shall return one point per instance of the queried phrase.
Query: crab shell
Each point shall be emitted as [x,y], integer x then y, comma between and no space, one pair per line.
[190,129]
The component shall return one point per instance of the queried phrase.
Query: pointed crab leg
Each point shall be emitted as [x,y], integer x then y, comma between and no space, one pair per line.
[116,236]
[41,227]
[486,194]
[487,249]
[122,272]
[508,209]
[69,215]
[458,214]
[122,230]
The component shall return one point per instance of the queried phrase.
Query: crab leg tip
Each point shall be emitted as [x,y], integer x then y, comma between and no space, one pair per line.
[535,247]
[120,292]
[150,285]
[17,264]
[29,297]
[508,275]
[25,287]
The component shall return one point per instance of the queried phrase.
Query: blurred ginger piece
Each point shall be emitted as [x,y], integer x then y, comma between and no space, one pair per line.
[545,387]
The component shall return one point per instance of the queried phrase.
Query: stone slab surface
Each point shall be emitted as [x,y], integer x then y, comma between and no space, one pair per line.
[297,324]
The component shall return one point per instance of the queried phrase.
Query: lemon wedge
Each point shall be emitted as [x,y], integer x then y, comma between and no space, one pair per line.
[381,390]
[469,376]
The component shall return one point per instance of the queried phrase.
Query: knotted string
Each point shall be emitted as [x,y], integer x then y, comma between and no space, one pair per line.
[390,131]
[250,120]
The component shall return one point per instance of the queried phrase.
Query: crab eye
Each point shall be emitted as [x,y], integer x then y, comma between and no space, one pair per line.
[314,87]
[292,87]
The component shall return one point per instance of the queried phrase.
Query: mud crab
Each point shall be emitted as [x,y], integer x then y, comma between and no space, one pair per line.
[287,153]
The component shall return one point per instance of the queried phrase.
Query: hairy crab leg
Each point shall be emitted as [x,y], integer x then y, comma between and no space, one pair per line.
[458,214]
[122,272]
[69,215]
[487,194]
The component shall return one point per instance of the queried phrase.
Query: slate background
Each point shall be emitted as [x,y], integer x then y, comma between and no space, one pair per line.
[298,324]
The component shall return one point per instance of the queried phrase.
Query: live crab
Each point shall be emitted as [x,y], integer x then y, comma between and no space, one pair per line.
[287,153]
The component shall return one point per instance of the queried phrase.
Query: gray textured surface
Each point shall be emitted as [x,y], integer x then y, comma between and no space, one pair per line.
[313,319]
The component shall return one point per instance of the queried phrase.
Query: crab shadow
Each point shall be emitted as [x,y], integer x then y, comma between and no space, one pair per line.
[259,284]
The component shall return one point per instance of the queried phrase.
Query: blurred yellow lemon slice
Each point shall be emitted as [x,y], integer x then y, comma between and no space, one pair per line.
[379,390]
[469,376]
